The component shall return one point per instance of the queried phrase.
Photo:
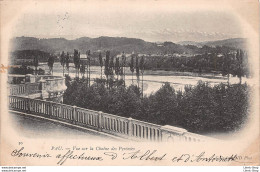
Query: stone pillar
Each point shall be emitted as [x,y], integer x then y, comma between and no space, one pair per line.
[30,78]
[170,132]
[130,127]
[42,84]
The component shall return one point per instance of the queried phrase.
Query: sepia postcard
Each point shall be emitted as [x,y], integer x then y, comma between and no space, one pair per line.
[129,83]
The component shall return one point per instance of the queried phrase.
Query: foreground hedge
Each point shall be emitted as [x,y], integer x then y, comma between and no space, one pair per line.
[200,109]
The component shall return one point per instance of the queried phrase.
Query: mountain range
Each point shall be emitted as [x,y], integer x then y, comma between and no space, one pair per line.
[118,44]
[238,43]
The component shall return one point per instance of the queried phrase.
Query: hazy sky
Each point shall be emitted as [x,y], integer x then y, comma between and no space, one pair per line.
[150,25]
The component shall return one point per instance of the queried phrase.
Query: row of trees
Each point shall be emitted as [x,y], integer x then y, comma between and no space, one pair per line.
[200,109]
[227,63]
[112,67]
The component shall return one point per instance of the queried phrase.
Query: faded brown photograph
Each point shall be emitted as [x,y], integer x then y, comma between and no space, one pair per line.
[129,83]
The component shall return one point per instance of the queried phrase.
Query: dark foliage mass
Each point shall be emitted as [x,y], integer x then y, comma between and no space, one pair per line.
[225,62]
[200,109]
[23,70]
[27,56]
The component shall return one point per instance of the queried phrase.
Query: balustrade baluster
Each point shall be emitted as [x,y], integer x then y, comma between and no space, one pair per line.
[156,135]
[108,124]
[18,100]
[86,118]
[65,111]
[81,117]
[146,132]
[142,132]
[139,130]
[96,120]
[110,127]
[112,124]
[21,104]
[117,125]
[105,122]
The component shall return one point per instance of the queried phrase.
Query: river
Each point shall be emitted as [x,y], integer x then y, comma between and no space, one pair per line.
[153,80]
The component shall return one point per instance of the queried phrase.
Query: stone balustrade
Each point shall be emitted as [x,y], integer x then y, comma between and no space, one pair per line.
[111,124]
[24,89]
[18,89]
[49,87]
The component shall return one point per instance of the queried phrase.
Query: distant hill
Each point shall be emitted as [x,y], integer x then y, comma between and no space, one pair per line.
[55,45]
[237,43]
[116,45]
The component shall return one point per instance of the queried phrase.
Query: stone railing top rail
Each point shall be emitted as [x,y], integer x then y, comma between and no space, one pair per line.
[133,120]
[22,85]
[174,129]
[115,116]
[16,85]
[84,109]
[147,123]
[16,75]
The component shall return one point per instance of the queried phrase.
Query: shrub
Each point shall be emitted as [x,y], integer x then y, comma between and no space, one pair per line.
[200,109]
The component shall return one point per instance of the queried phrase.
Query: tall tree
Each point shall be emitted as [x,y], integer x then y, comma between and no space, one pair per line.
[101,63]
[142,72]
[226,66]
[67,61]
[62,61]
[36,64]
[137,71]
[50,64]
[111,72]
[82,69]
[88,66]
[76,60]
[123,66]
[117,67]
[240,71]
[107,65]
[131,65]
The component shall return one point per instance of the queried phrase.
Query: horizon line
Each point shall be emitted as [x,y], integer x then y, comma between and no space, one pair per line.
[126,37]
